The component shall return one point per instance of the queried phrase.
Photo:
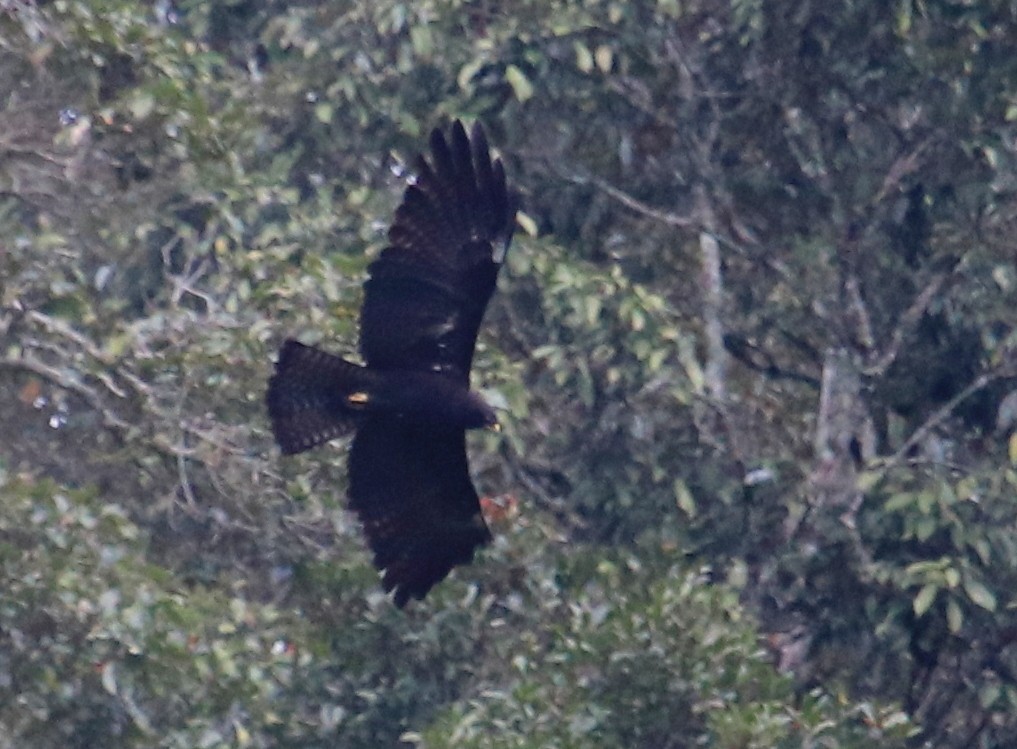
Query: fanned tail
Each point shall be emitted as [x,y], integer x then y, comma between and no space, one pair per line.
[308,397]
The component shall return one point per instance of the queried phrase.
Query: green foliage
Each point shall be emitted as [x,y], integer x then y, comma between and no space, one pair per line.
[184,186]
[954,559]
[652,655]
[614,346]
[102,648]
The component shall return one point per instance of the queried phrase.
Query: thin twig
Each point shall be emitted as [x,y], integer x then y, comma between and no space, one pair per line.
[933,421]
[29,363]
[908,321]
[901,167]
[667,217]
[60,328]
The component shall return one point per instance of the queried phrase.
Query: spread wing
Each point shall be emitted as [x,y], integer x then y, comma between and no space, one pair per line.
[428,290]
[410,485]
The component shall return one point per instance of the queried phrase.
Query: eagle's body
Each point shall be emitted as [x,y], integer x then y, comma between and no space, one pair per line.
[410,403]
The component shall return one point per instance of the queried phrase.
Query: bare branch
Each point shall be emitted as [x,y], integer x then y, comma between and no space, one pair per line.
[634,204]
[908,321]
[856,304]
[935,420]
[901,168]
[713,302]
[27,362]
[62,329]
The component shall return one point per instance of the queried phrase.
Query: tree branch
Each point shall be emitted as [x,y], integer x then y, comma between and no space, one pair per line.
[634,204]
[907,323]
[27,362]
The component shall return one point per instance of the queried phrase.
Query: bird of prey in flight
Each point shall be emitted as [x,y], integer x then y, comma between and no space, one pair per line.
[410,404]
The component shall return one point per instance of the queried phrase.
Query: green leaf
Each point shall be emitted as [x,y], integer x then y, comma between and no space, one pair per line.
[980,595]
[521,86]
[924,600]
[142,105]
[466,73]
[952,576]
[108,677]
[989,695]
[605,58]
[584,58]
[898,502]
[683,498]
[925,527]
[982,549]
[324,111]
[954,616]
[422,41]
[527,224]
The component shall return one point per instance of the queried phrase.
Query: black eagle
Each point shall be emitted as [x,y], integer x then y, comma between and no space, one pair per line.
[411,402]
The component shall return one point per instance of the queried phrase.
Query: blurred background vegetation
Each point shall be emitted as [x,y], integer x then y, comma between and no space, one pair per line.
[757,344]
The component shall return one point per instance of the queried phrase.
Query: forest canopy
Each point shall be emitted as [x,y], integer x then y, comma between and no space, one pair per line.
[753,351]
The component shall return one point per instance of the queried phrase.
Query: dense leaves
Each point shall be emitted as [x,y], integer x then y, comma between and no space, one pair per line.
[756,342]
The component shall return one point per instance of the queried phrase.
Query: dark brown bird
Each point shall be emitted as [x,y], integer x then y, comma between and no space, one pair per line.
[411,404]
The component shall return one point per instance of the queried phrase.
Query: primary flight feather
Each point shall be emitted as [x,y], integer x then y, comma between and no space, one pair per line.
[410,403]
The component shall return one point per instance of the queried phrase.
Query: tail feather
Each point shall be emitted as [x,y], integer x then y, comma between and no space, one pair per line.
[307,397]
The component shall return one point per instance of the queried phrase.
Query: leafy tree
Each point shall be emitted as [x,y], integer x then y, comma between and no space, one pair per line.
[756,343]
